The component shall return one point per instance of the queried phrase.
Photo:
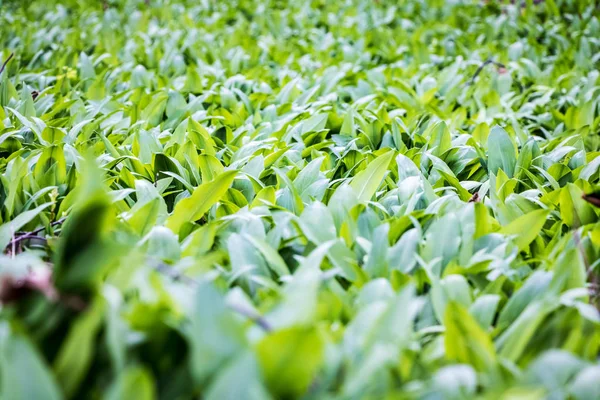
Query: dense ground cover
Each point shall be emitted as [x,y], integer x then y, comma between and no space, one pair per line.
[325,199]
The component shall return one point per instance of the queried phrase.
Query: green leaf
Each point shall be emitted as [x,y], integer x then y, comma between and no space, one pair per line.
[84,248]
[456,381]
[153,113]
[145,217]
[585,384]
[440,139]
[575,211]
[314,123]
[210,167]
[376,264]
[270,254]
[465,341]
[51,169]
[590,169]
[533,289]
[134,382]
[484,309]
[204,197]
[23,371]
[241,379]
[513,342]
[526,228]
[290,359]
[317,223]
[214,334]
[442,241]
[366,182]
[452,288]
[501,152]
[569,271]
[77,352]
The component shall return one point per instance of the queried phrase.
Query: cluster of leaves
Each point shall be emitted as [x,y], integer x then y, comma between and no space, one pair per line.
[259,199]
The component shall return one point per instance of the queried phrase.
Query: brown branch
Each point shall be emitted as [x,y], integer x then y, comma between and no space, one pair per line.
[13,247]
[33,234]
[6,62]
[592,198]
[246,312]
[481,67]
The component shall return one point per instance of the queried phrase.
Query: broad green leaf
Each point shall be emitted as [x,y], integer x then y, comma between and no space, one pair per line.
[376,264]
[133,382]
[271,255]
[202,199]
[366,182]
[585,384]
[575,211]
[456,381]
[484,309]
[23,370]
[590,169]
[77,352]
[465,341]
[534,288]
[214,334]
[84,246]
[526,228]
[501,152]
[210,167]
[514,340]
[145,217]
[290,359]
[317,223]
[569,271]
[162,244]
[314,123]
[51,169]
[452,288]
[240,379]
[442,242]
[440,139]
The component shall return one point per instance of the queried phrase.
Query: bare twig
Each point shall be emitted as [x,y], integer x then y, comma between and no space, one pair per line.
[251,315]
[188,280]
[13,247]
[474,198]
[28,237]
[53,223]
[6,62]
[73,302]
[592,198]
[33,234]
[481,67]
[175,275]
